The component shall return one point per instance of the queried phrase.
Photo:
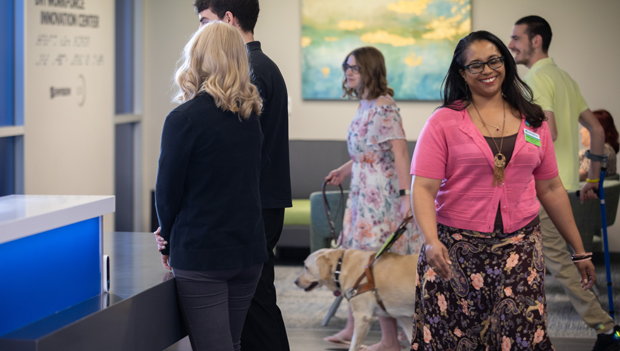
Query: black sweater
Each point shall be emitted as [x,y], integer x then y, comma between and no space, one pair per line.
[207,192]
[275,182]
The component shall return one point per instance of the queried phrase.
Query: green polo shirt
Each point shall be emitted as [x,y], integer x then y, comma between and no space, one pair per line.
[555,91]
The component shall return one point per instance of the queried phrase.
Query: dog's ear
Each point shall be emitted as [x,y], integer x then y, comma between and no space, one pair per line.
[327,260]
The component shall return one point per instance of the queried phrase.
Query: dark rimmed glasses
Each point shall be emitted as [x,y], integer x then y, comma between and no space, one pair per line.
[477,67]
[354,68]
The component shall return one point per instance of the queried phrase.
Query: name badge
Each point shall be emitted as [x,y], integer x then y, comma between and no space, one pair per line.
[532,137]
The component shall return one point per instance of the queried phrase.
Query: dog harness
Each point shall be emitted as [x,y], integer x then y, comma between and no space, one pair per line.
[368,286]
[337,274]
[358,287]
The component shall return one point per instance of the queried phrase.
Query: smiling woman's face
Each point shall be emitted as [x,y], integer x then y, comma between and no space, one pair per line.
[488,82]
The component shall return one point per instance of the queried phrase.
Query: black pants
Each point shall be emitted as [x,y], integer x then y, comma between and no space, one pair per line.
[264,327]
[214,305]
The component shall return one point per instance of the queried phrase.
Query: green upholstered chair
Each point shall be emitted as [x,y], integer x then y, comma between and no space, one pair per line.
[319,228]
[588,215]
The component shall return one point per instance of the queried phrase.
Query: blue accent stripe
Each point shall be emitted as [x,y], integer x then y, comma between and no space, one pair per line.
[19,63]
[6,63]
[48,272]
[7,166]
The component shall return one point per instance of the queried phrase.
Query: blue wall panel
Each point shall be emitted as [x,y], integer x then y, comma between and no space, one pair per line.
[48,272]
[7,167]
[7,41]
[124,44]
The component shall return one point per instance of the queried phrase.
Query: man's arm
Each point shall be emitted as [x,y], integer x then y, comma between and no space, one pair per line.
[597,146]
[597,140]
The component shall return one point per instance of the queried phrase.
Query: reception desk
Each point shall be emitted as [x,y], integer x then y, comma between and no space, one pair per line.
[51,292]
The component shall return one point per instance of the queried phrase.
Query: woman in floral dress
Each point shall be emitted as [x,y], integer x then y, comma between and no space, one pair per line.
[480,164]
[379,169]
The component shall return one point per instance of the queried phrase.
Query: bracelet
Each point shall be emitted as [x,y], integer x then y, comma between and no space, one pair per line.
[593,180]
[581,257]
[403,192]
[595,157]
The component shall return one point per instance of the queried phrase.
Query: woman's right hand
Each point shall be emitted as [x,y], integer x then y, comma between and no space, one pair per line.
[335,177]
[438,258]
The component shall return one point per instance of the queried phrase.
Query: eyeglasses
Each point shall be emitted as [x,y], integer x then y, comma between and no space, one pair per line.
[354,68]
[477,67]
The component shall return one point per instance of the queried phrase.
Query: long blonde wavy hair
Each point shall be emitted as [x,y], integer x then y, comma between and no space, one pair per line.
[215,60]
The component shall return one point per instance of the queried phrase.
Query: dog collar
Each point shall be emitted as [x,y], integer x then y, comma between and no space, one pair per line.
[337,275]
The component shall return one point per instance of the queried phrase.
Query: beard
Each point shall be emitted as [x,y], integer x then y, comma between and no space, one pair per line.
[526,54]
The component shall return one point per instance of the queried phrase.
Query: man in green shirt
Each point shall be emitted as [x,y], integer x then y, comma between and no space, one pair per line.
[560,98]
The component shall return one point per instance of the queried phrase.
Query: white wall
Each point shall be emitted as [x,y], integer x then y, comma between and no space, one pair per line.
[68,142]
[168,25]
[584,45]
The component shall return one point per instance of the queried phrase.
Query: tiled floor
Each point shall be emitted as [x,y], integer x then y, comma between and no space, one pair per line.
[312,340]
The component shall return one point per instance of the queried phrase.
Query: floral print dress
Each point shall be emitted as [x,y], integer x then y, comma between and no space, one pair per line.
[494,299]
[373,207]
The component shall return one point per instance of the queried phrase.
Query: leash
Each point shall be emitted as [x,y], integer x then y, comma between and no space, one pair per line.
[335,242]
[358,287]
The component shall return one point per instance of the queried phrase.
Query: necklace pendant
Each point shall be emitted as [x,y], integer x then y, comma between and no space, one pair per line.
[497,129]
[500,160]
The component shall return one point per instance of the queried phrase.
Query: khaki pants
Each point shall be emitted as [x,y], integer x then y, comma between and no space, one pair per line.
[557,259]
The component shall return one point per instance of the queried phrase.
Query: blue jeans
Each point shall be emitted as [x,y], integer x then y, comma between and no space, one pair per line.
[214,305]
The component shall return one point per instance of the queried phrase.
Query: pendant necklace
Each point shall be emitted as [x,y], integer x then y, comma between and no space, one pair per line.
[496,127]
[500,159]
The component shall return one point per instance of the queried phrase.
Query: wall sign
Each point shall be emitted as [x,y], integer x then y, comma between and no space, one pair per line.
[69,100]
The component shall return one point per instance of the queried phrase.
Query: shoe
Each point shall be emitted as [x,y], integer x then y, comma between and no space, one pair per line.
[339,340]
[611,342]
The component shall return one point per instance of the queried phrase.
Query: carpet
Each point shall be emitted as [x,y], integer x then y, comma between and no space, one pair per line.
[306,310]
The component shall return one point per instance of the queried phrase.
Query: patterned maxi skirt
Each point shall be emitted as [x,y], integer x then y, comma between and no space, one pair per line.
[494,300]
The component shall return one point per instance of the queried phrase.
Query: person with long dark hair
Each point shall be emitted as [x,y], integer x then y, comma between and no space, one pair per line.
[480,162]
[611,144]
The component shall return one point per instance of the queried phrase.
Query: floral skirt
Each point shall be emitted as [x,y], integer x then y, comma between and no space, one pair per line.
[494,300]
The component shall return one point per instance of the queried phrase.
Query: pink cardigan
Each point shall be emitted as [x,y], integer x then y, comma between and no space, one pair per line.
[451,148]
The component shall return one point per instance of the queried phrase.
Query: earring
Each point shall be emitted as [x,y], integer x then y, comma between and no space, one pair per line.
[466,91]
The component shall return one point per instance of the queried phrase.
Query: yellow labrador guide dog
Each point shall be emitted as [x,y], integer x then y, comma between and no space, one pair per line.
[394,279]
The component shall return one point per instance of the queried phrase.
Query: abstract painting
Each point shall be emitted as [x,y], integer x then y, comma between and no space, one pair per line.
[417,39]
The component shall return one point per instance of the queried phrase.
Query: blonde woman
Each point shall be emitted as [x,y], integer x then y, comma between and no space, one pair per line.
[207,191]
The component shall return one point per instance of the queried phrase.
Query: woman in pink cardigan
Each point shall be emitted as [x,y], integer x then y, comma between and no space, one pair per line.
[479,164]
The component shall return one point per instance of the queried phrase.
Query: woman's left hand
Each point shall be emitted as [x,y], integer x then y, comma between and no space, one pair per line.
[588,275]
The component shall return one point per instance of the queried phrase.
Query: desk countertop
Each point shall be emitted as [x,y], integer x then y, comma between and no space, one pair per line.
[24,215]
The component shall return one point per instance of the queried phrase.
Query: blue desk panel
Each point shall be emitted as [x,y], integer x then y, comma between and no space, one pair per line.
[48,272]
